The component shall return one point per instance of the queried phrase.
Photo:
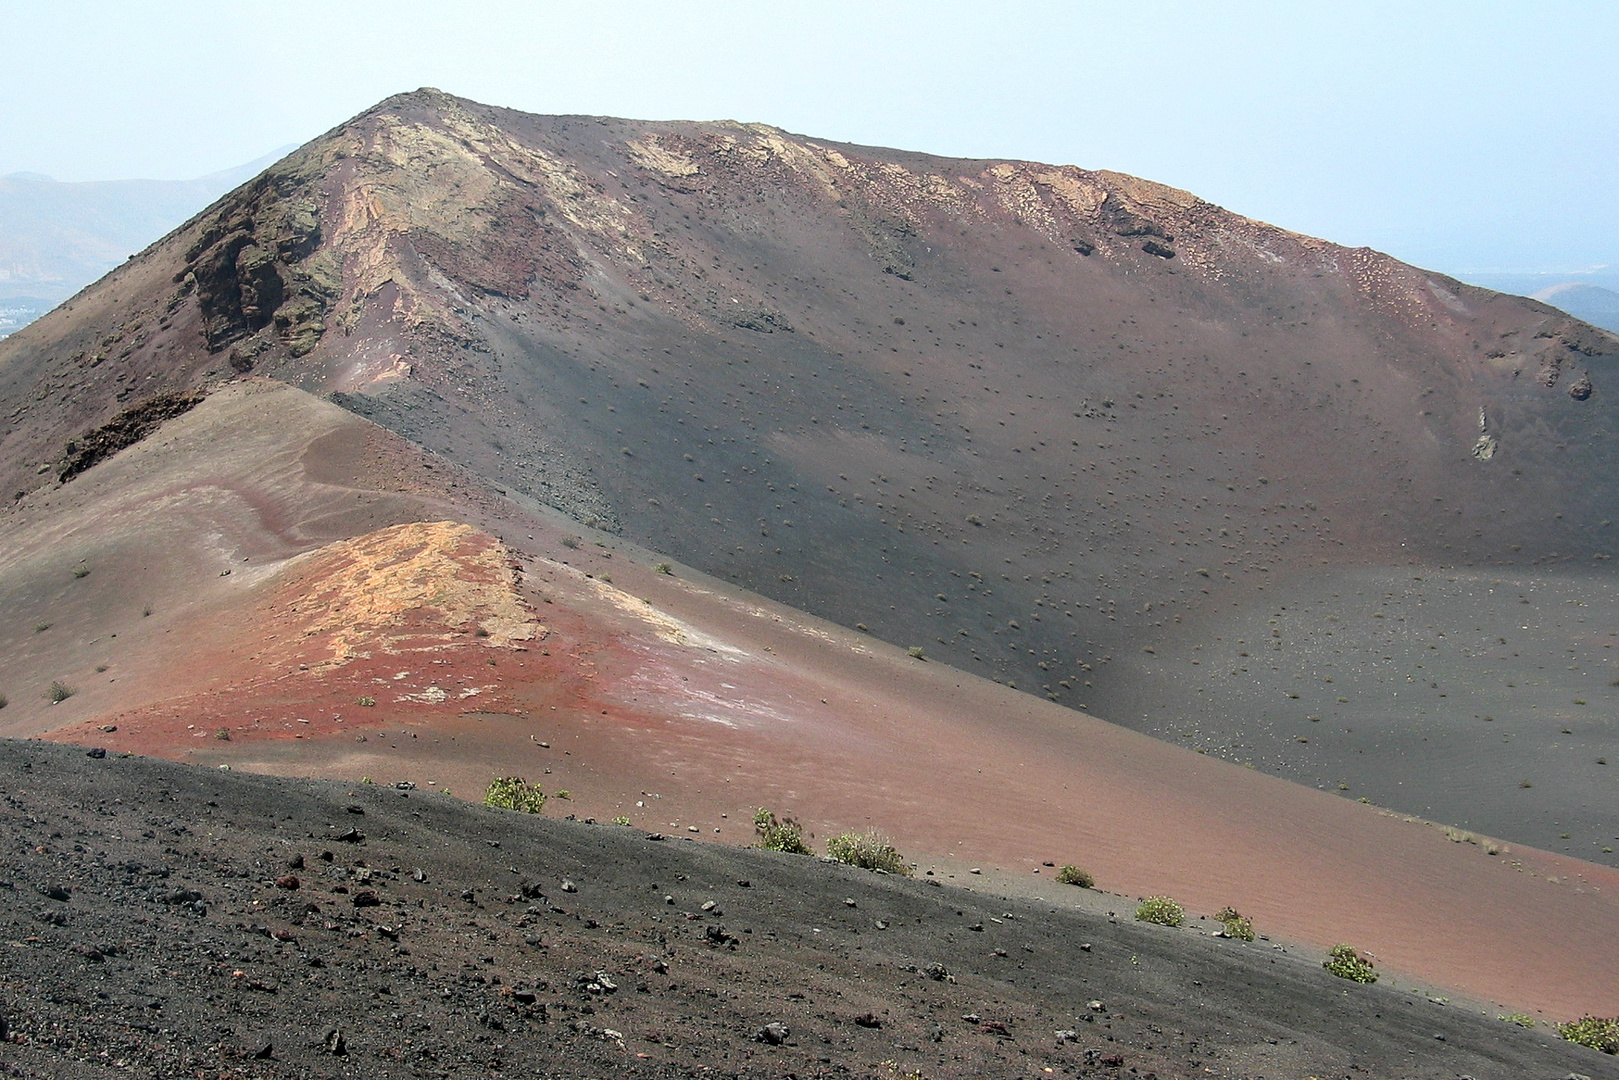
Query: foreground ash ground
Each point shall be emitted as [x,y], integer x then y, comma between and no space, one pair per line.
[175,921]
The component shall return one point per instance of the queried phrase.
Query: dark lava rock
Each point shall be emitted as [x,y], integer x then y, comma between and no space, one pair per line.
[774,1033]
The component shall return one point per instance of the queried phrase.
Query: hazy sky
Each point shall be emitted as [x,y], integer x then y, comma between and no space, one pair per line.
[1460,136]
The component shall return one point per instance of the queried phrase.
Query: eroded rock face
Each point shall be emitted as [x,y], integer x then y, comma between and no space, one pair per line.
[251,267]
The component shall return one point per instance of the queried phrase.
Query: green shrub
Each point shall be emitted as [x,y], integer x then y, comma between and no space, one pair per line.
[1521,1019]
[59,692]
[514,793]
[869,851]
[621,820]
[1075,875]
[1236,926]
[1597,1032]
[1344,962]
[783,834]
[663,568]
[1161,910]
[81,571]
[916,652]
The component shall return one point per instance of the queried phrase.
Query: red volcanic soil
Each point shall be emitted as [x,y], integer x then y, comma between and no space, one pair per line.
[684,704]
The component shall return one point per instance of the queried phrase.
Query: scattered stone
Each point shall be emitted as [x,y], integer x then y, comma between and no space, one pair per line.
[287,881]
[54,892]
[868,1020]
[264,1051]
[96,752]
[335,1043]
[365,898]
[773,1034]
[568,886]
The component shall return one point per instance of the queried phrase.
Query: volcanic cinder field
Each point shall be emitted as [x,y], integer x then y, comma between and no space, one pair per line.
[1029,515]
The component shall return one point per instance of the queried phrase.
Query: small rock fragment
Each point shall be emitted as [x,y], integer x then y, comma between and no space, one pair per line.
[774,1033]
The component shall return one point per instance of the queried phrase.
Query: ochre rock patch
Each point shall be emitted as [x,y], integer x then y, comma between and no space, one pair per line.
[405,622]
[421,585]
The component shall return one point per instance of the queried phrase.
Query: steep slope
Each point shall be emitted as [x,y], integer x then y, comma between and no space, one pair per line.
[1031,419]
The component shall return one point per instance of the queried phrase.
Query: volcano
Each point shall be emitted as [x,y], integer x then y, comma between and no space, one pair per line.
[704,466]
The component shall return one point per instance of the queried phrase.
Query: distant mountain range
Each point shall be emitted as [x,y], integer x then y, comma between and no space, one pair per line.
[1590,295]
[1593,303]
[56,238]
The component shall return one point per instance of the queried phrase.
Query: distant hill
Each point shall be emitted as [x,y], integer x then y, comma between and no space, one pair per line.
[1593,303]
[56,238]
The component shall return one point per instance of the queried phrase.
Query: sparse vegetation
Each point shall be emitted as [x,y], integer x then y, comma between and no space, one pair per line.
[869,851]
[664,568]
[146,612]
[1161,910]
[564,793]
[779,834]
[58,692]
[1236,925]
[1344,962]
[915,652]
[1076,875]
[1599,1033]
[571,543]
[40,628]
[1523,1020]
[81,571]
[621,820]
[222,734]
[513,793]
[366,700]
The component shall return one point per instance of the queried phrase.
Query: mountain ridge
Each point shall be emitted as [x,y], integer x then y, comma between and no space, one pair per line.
[1035,420]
